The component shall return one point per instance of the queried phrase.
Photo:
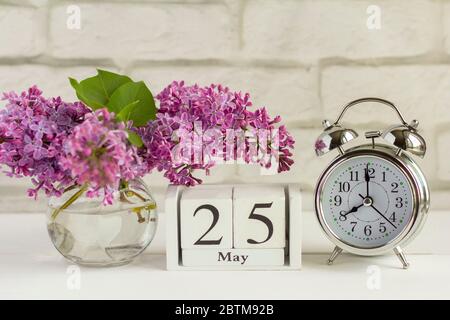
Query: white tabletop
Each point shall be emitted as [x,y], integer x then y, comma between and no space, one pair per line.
[31,268]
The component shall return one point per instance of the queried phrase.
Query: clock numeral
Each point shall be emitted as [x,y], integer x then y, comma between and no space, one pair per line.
[343,216]
[372,173]
[393,217]
[337,200]
[394,186]
[353,223]
[384,176]
[382,228]
[399,202]
[354,176]
[344,186]
[368,230]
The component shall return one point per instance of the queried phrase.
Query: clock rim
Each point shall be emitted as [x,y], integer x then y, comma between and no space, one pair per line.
[417,184]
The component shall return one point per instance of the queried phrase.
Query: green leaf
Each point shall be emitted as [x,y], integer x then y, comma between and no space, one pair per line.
[125,113]
[135,139]
[119,94]
[79,90]
[137,99]
[97,91]
[111,81]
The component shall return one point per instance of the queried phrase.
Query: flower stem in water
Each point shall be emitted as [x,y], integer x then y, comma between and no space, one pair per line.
[71,200]
[137,211]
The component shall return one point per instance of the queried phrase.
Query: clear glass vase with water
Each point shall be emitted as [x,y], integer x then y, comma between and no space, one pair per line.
[89,233]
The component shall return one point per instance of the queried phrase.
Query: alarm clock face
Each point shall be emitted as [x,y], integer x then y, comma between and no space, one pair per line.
[366,201]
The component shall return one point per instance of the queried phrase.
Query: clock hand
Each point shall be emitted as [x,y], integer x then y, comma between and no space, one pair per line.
[383,216]
[354,209]
[367,178]
[378,211]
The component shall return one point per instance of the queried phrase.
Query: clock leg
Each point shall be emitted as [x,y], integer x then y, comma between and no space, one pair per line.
[336,252]
[401,255]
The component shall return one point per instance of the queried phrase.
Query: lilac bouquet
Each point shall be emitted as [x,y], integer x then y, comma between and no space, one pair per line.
[115,134]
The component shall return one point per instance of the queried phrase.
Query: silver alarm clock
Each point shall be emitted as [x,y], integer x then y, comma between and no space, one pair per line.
[373,197]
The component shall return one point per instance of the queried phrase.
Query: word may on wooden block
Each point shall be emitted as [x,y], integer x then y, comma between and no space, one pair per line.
[253,227]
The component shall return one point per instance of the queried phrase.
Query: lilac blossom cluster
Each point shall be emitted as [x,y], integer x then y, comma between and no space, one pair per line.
[33,130]
[185,111]
[59,145]
[99,155]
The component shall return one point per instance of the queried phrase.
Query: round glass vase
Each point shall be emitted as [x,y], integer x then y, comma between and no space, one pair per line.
[89,233]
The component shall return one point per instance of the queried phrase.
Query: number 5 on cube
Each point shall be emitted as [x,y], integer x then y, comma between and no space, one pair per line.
[259,217]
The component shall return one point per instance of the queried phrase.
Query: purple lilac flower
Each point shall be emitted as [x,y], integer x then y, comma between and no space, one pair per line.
[99,155]
[216,108]
[32,133]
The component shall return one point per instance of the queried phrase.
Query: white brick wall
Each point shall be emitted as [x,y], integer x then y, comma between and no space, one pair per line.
[312,30]
[127,32]
[302,59]
[22,32]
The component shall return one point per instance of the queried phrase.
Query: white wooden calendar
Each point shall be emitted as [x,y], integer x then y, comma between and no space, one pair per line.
[234,227]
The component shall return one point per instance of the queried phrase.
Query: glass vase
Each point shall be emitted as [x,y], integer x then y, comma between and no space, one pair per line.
[89,233]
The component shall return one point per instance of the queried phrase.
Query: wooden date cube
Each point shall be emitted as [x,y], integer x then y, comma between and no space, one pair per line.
[206,218]
[259,217]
